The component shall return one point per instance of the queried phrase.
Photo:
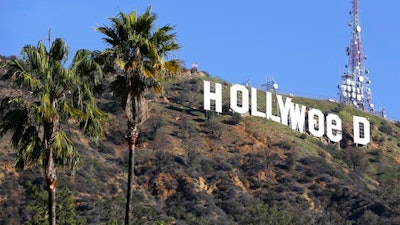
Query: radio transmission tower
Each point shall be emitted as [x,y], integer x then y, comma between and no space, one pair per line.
[354,88]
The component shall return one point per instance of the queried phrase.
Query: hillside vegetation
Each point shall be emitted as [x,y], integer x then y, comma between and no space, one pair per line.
[195,167]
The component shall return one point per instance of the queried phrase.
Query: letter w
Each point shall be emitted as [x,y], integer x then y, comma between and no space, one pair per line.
[298,117]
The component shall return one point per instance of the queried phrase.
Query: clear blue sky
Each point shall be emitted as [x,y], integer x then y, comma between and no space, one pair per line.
[301,44]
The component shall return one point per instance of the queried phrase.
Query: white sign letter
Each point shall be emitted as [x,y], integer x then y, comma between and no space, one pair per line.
[254,108]
[269,109]
[234,99]
[361,127]
[297,117]
[284,109]
[208,96]
[334,127]
[316,123]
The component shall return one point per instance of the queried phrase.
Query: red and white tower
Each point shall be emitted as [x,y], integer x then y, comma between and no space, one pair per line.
[354,88]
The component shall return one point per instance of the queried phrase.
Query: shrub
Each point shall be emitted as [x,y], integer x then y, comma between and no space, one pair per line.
[303,136]
[318,165]
[264,214]
[389,175]
[65,208]
[106,149]
[117,137]
[110,107]
[368,217]
[284,145]
[355,158]
[376,155]
[291,159]
[236,118]
[187,128]
[214,126]
[155,126]
[386,128]
[337,109]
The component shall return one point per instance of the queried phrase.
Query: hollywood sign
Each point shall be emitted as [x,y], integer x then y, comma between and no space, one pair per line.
[290,114]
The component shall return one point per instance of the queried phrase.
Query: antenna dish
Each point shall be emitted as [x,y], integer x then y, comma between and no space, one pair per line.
[371,105]
[361,78]
[275,86]
[358,28]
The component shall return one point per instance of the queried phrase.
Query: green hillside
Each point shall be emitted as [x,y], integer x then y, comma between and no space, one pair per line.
[194,167]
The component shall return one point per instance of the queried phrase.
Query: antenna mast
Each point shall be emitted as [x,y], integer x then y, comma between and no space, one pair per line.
[270,85]
[354,88]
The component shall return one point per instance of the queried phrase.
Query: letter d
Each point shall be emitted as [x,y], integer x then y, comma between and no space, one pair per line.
[362,130]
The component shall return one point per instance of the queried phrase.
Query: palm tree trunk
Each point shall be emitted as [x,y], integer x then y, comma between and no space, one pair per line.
[135,111]
[132,138]
[52,206]
[51,179]
[50,172]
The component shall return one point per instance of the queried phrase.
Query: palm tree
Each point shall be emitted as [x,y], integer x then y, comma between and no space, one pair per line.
[50,99]
[139,50]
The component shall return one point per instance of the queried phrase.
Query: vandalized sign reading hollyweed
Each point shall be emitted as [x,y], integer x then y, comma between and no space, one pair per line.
[290,114]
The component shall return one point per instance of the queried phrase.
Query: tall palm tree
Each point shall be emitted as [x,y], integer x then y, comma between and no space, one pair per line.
[50,99]
[139,51]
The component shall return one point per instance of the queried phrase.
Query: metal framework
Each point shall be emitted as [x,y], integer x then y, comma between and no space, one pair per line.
[354,88]
[270,85]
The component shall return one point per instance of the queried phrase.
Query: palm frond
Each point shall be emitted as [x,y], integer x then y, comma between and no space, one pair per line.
[145,23]
[35,57]
[119,88]
[92,125]
[121,64]
[64,149]
[14,118]
[13,66]
[9,103]
[85,66]
[164,40]
[30,148]
[73,112]
[18,74]
[59,50]
[30,81]
[46,108]
[13,121]
[111,36]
